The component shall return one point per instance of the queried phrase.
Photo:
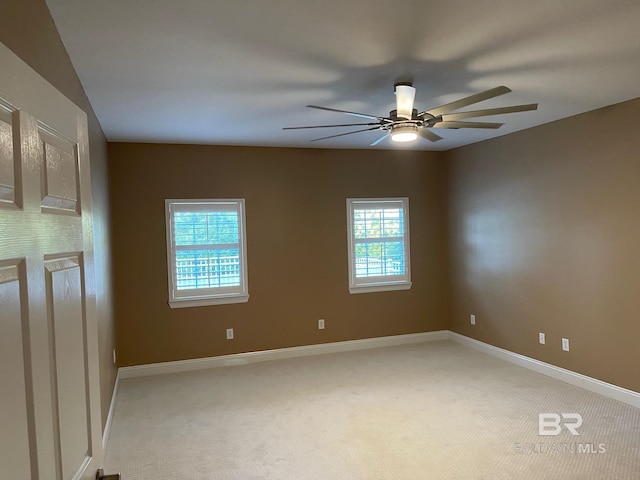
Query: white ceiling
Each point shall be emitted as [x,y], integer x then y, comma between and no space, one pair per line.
[235,72]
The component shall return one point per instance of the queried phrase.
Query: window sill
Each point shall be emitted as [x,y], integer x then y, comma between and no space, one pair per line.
[379,287]
[203,302]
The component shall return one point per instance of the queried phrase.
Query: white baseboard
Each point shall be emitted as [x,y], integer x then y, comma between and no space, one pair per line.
[594,385]
[112,406]
[278,354]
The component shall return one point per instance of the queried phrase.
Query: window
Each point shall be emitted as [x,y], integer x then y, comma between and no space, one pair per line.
[206,252]
[378,244]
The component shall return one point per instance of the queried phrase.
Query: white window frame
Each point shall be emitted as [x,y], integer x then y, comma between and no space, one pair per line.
[198,297]
[378,283]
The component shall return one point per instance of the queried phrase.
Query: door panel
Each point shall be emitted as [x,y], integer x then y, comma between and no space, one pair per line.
[59,173]
[7,178]
[48,326]
[66,339]
[14,448]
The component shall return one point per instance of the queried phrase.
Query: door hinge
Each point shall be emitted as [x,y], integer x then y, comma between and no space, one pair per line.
[101,476]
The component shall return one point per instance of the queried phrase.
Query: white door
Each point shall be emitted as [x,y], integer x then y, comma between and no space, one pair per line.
[50,426]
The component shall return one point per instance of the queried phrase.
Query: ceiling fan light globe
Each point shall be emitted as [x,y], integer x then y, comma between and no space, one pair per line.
[404,134]
[404,137]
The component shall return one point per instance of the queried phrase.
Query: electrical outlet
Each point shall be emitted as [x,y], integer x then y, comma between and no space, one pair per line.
[114,356]
[565,344]
[473,319]
[321,324]
[229,333]
[542,338]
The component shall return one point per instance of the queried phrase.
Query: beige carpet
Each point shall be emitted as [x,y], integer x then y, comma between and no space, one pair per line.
[429,411]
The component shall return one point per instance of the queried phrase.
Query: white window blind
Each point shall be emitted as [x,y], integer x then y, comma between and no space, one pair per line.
[206,252]
[378,244]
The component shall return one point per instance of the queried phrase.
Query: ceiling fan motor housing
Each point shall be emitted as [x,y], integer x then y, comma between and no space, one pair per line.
[393,114]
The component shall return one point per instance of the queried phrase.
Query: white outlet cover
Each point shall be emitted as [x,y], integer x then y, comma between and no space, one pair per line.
[229,333]
[473,319]
[542,338]
[321,324]
[565,344]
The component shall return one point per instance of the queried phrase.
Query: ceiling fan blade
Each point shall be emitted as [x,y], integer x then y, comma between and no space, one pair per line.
[328,126]
[489,111]
[355,114]
[405,95]
[343,134]
[463,102]
[429,135]
[380,140]
[467,125]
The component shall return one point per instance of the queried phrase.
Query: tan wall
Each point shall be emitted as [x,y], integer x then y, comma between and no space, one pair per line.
[545,237]
[297,250]
[26,27]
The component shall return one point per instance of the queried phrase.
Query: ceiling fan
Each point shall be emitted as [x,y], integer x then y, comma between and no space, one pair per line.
[405,124]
